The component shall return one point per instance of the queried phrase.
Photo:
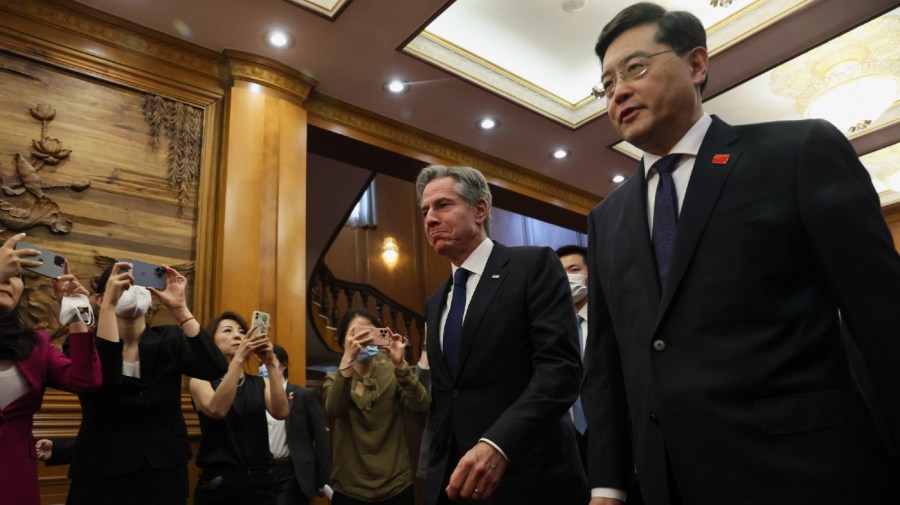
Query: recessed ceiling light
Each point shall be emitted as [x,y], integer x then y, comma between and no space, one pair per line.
[278,39]
[561,153]
[396,86]
[573,5]
[618,178]
[488,123]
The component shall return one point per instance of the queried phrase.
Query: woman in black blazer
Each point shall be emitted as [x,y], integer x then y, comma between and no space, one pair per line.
[133,445]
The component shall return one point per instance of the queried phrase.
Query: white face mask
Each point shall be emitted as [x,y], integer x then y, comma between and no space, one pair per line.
[134,302]
[578,284]
[74,308]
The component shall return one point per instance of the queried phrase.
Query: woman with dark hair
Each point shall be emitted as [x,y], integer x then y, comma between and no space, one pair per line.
[366,397]
[28,365]
[234,451]
[133,447]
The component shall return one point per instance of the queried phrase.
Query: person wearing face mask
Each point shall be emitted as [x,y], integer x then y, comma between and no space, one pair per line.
[29,363]
[366,398]
[132,447]
[574,262]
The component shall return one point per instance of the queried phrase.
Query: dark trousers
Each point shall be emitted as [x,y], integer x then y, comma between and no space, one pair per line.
[287,490]
[406,497]
[148,486]
[235,486]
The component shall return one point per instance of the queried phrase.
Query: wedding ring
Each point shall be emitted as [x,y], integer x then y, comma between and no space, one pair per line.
[476,490]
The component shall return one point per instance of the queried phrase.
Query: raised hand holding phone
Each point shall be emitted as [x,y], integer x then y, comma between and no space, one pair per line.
[46,263]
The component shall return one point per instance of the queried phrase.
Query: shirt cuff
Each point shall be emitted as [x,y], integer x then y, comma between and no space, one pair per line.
[608,492]
[495,446]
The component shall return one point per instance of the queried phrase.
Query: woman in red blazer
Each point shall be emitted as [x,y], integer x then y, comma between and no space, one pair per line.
[28,365]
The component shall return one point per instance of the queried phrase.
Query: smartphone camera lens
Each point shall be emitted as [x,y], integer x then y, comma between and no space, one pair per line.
[158,271]
[59,261]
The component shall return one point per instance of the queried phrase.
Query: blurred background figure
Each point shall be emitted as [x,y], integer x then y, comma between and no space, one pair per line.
[367,397]
[300,449]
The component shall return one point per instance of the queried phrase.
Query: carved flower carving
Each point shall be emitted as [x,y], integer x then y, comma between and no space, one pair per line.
[50,151]
[43,112]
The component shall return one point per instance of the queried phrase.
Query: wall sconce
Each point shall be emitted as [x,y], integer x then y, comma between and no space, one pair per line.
[390,253]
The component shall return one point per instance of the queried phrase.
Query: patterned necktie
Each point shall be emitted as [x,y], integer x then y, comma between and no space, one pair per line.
[665,215]
[453,325]
[577,408]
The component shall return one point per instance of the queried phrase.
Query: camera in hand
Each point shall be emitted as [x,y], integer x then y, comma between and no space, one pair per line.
[381,337]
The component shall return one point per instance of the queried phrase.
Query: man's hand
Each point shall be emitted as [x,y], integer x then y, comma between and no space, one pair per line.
[478,473]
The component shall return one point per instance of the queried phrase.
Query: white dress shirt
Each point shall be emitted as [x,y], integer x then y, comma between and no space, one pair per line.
[277,434]
[688,147]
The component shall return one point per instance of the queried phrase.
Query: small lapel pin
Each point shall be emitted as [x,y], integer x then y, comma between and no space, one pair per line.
[495,276]
[721,159]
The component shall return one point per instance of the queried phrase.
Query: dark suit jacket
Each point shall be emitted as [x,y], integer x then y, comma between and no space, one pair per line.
[735,369]
[307,440]
[519,374]
[130,421]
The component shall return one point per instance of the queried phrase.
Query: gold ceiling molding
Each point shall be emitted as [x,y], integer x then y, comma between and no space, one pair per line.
[448,56]
[329,9]
[851,80]
[512,177]
[87,40]
[269,73]
[884,167]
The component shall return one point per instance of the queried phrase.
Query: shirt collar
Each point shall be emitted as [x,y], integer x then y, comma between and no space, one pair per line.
[584,312]
[689,144]
[476,261]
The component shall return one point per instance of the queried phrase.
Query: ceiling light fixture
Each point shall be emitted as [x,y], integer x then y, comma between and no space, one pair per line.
[561,153]
[850,81]
[720,3]
[488,123]
[278,39]
[618,178]
[396,86]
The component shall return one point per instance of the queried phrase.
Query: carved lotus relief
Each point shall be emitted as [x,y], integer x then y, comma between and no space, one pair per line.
[24,203]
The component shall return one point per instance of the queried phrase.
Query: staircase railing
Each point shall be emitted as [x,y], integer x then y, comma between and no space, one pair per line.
[330,297]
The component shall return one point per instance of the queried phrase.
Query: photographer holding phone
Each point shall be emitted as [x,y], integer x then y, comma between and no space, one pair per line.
[132,446]
[234,451]
[29,364]
[366,397]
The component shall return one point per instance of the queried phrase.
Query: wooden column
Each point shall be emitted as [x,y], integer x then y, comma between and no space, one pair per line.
[261,254]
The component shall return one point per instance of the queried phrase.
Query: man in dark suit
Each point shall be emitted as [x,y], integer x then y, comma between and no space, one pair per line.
[299,444]
[504,357]
[716,280]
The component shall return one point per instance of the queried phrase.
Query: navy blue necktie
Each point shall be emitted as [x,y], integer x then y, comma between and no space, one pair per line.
[665,215]
[578,409]
[453,325]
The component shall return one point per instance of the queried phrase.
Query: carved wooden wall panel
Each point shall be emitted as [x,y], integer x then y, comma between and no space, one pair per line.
[97,137]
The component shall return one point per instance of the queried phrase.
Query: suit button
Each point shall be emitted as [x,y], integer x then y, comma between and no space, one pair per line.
[654,419]
[454,394]
[659,345]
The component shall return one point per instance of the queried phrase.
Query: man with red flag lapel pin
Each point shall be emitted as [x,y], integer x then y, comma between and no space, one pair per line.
[719,280]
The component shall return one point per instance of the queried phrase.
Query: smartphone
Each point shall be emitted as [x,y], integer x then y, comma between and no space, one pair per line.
[148,274]
[260,319]
[52,264]
[381,337]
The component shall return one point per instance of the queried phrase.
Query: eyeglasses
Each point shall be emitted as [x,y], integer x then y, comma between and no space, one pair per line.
[632,70]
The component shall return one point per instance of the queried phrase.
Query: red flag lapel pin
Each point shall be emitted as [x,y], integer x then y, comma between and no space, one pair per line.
[720,159]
